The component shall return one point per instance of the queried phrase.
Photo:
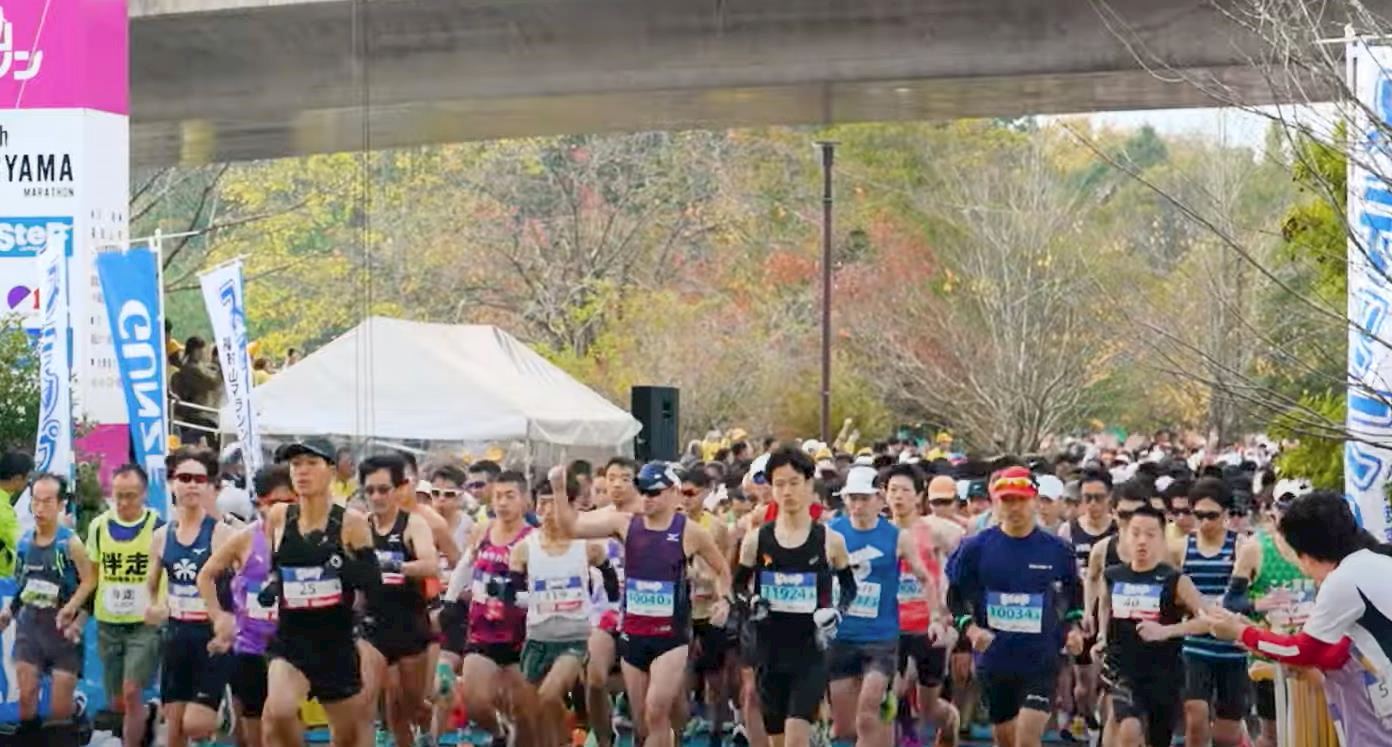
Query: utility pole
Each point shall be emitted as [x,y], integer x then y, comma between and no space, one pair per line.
[828,149]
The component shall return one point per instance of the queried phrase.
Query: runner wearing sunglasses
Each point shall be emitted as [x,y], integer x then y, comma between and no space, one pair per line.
[247,628]
[1016,592]
[193,676]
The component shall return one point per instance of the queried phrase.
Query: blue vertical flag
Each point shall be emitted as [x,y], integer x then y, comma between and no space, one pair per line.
[134,306]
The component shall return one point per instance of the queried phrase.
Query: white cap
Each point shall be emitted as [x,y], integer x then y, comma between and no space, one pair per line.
[1163,482]
[865,461]
[758,465]
[1050,487]
[812,446]
[860,481]
[424,486]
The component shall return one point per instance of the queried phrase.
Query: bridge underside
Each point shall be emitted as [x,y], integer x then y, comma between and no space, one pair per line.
[227,80]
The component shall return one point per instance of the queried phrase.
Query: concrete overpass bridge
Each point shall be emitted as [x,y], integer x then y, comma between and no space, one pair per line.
[226,80]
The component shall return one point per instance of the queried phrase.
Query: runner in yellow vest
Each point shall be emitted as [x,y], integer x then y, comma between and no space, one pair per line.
[118,543]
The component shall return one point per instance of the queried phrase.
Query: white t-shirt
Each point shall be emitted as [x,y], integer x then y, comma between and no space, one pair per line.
[1355,600]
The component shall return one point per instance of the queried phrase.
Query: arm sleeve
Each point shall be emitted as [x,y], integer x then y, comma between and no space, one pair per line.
[362,570]
[610,577]
[743,575]
[963,590]
[1300,649]
[1236,598]
[1071,590]
[846,582]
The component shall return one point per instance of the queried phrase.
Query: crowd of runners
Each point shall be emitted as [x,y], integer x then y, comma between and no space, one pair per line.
[789,595]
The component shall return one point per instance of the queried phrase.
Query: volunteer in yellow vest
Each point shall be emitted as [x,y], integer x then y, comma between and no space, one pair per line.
[118,543]
[15,467]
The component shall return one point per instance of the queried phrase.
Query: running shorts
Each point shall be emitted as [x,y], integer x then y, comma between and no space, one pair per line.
[328,659]
[39,643]
[398,636]
[1007,693]
[190,674]
[1222,683]
[712,643]
[248,683]
[539,656]
[857,658]
[929,660]
[129,652]
[454,627]
[502,654]
[1156,704]
[790,688]
[640,651]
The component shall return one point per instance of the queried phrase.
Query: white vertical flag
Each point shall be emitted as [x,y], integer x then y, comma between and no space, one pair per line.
[223,296]
[53,446]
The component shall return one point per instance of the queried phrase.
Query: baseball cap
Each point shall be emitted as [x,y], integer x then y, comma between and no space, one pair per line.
[315,446]
[1014,481]
[757,467]
[656,477]
[1050,487]
[942,486]
[860,481]
[1291,488]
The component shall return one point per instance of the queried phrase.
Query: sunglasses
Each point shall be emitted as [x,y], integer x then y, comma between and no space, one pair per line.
[1208,515]
[1125,515]
[942,501]
[476,485]
[377,489]
[1094,497]
[1236,513]
[448,494]
[189,477]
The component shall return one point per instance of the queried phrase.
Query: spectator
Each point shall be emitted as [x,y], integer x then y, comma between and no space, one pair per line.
[260,371]
[198,387]
[345,480]
[15,467]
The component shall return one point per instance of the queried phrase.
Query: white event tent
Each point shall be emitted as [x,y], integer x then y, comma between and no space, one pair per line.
[396,380]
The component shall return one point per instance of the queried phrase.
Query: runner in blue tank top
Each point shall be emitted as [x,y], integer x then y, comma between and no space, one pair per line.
[54,580]
[1216,682]
[865,655]
[658,545]
[1015,591]
[192,679]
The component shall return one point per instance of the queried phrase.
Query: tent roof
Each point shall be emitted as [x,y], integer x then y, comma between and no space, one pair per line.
[397,379]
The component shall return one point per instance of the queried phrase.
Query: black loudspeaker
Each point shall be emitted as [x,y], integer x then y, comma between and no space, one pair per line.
[657,408]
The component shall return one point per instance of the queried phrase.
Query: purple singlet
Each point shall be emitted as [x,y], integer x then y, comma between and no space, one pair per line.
[255,623]
[657,602]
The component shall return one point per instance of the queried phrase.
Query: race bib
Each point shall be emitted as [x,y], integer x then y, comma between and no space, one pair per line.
[1015,613]
[125,599]
[310,588]
[254,609]
[1135,601]
[910,590]
[867,600]
[794,593]
[391,579]
[186,604]
[650,598]
[39,593]
[558,596]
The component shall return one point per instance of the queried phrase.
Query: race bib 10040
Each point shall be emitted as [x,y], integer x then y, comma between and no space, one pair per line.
[1015,613]
[650,598]
[794,593]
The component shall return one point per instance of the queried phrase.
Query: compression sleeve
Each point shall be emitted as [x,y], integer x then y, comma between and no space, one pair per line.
[516,584]
[1071,591]
[1301,649]
[1236,599]
[845,578]
[611,580]
[963,591]
[743,575]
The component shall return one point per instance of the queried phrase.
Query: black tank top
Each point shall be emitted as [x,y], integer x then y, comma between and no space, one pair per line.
[796,582]
[314,600]
[398,591]
[1083,542]
[1135,598]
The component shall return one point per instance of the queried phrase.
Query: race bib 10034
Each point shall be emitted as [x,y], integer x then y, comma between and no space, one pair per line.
[1015,613]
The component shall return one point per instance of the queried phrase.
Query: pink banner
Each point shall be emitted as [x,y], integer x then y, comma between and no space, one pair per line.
[110,445]
[64,54]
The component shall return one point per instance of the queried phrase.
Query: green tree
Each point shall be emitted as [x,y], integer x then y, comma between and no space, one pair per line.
[19,387]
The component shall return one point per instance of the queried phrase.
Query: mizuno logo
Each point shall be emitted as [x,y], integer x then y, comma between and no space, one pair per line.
[1037,567]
